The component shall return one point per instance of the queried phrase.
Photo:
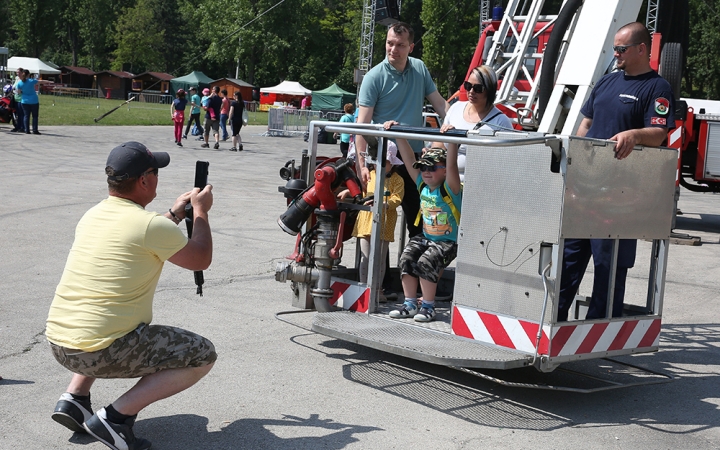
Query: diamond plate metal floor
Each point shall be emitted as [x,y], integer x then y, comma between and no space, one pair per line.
[404,338]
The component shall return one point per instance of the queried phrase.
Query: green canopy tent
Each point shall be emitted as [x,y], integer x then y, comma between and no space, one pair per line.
[332,97]
[194,78]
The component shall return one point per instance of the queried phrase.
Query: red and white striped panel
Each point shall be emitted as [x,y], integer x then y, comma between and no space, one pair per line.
[350,296]
[500,330]
[602,337]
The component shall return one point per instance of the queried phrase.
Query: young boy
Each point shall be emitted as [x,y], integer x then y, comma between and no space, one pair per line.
[427,254]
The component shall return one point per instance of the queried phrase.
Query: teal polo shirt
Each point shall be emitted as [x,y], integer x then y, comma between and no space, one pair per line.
[398,96]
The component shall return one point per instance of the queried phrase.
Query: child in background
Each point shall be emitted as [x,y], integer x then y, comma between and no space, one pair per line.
[224,111]
[427,254]
[177,112]
[394,192]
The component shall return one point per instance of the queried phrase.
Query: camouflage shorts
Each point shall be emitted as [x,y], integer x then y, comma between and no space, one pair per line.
[423,258]
[144,351]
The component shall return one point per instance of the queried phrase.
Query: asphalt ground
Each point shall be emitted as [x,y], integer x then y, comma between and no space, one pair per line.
[279,386]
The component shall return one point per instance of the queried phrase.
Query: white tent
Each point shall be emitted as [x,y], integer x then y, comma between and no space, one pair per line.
[288,88]
[34,65]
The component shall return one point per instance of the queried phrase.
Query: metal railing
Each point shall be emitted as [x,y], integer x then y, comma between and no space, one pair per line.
[64,94]
[293,122]
[156,98]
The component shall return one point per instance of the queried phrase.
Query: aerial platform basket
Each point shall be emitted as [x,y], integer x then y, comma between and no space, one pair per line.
[524,194]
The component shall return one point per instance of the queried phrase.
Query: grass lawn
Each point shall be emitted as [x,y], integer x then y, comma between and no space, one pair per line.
[56,110]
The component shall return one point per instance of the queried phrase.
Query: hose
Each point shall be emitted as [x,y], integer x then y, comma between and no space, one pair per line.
[552,51]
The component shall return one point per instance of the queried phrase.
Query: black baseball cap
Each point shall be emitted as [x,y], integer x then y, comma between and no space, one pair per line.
[131,159]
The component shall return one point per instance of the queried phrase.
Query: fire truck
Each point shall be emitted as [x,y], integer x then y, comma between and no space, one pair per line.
[525,193]
[535,76]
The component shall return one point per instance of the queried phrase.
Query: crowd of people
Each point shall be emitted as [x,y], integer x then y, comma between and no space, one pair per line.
[219,110]
[99,323]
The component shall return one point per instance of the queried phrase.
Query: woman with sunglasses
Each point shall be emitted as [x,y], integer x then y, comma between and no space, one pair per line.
[481,87]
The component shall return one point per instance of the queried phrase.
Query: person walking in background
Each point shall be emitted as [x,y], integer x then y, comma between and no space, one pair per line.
[349,117]
[481,87]
[224,110]
[19,113]
[194,111]
[237,109]
[177,112]
[30,101]
[203,107]
[212,105]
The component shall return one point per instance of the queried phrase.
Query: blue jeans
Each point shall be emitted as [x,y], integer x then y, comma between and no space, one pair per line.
[20,116]
[223,125]
[31,109]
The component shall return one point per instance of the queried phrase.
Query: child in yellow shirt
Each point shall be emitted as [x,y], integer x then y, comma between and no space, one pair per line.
[394,192]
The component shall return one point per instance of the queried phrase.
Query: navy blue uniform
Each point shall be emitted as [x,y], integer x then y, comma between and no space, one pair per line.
[617,103]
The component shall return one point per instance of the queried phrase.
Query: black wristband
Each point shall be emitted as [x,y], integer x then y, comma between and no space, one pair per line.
[173,215]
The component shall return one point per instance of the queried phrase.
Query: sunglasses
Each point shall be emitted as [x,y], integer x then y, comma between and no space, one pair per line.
[155,171]
[478,88]
[620,49]
[430,168]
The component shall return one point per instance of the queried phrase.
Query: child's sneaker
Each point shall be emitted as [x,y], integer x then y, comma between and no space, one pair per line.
[204,145]
[406,311]
[216,146]
[426,314]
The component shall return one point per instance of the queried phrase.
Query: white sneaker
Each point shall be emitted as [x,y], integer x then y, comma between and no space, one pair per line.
[406,311]
[426,314]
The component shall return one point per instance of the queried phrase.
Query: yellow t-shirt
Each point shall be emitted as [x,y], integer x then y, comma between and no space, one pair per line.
[109,280]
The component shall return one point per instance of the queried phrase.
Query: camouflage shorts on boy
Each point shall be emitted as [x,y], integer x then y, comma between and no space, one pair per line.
[423,258]
[143,351]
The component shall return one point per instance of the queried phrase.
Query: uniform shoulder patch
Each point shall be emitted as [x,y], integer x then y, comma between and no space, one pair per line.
[658,121]
[662,106]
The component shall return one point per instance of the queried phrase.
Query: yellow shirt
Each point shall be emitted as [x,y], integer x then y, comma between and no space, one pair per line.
[363,224]
[109,281]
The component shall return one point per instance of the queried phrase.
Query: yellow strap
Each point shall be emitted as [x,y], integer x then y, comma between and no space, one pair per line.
[445,197]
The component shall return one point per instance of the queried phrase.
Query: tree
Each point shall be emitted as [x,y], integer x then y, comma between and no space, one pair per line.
[449,43]
[94,23]
[703,72]
[34,25]
[139,39]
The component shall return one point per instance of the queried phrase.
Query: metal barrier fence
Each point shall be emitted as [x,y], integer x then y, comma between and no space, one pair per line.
[149,99]
[290,122]
[70,95]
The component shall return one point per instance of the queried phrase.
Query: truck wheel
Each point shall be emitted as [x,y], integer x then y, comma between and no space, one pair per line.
[671,65]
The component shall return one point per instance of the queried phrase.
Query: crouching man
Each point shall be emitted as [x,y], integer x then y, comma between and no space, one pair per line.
[99,321]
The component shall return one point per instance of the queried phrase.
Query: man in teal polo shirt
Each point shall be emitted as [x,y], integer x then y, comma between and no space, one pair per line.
[396,89]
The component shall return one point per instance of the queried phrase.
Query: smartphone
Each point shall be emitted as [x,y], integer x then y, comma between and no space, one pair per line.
[201,174]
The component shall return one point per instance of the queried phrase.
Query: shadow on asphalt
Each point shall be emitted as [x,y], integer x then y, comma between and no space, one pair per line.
[189,432]
[689,352]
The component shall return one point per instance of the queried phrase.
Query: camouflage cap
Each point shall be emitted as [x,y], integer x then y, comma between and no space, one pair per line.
[431,157]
